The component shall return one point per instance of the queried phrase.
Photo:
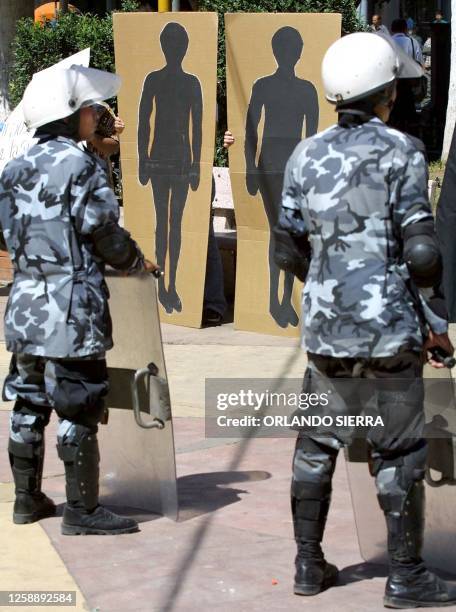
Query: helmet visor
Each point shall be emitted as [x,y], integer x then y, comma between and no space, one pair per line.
[408,68]
[87,85]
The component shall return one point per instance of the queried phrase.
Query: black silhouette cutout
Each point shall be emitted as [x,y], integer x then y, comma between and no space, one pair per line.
[173,162]
[288,103]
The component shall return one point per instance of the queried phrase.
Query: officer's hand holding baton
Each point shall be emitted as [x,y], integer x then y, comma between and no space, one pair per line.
[149,267]
[152,268]
[441,350]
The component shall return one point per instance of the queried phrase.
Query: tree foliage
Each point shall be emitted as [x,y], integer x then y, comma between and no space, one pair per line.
[37,46]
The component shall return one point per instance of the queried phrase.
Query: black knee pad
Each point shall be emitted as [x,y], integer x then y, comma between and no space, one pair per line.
[309,445]
[412,462]
[414,466]
[400,477]
[80,386]
[91,417]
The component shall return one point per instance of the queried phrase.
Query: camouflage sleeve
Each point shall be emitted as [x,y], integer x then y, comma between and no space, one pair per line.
[411,205]
[434,310]
[292,189]
[409,189]
[3,196]
[93,201]
[94,205]
[293,199]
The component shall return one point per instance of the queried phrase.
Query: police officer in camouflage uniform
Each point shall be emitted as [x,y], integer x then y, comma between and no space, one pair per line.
[369,309]
[59,220]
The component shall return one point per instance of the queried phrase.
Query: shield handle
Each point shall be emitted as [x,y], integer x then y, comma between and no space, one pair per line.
[148,376]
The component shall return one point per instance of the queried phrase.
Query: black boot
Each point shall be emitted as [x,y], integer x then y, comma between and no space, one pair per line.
[410,584]
[82,515]
[100,521]
[425,590]
[313,573]
[26,462]
[310,504]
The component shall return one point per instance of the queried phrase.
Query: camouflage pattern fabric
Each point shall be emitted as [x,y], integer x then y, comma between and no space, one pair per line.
[75,388]
[357,188]
[28,429]
[51,199]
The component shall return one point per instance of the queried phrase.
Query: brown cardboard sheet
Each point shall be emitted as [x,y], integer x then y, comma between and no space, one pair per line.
[275,98]
[168,63]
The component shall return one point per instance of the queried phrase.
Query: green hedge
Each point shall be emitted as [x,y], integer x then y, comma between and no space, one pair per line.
[350,23]
[36,46]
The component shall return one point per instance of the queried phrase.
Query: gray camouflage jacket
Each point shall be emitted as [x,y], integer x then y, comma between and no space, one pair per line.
[51,200]
[357,189]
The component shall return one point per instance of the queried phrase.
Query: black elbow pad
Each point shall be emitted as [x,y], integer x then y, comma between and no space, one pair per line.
[113,244]
[291,253]
[422,254]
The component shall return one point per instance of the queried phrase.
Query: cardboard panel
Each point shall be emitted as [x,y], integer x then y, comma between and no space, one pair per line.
[168,63]
[275,98]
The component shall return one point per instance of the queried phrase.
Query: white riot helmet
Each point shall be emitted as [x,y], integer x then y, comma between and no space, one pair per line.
[357,66]
[58,93]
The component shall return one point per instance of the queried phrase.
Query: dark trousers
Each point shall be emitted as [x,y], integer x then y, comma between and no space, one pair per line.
[388,387]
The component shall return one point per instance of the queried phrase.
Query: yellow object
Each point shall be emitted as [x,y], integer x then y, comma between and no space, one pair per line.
[164,6]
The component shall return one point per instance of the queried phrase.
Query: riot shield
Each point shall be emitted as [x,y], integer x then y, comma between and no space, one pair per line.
[138,468]
[440,482]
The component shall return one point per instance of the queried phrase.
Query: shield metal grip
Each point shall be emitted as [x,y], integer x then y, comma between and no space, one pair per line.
[149,376]
[445,480]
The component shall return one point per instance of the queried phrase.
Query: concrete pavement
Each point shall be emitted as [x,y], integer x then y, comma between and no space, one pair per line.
[232,548]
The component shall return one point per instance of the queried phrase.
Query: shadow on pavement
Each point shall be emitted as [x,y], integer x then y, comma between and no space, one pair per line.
[203,493]
[199,494]
[367,571]
[361,571]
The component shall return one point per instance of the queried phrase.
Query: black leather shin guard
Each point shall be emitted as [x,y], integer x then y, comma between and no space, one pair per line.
[401,497]
[313,467]
[78,449]
[26,447]
[26,462]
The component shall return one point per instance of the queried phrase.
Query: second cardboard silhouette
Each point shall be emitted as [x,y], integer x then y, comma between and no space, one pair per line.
[288,103]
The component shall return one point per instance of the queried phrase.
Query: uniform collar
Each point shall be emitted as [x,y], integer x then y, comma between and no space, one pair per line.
[354,117]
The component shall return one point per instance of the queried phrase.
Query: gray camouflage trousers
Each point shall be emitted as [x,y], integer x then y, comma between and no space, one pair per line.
[73,387]
[389,387]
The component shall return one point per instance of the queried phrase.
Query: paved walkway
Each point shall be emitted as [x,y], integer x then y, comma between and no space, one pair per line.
[232,548]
